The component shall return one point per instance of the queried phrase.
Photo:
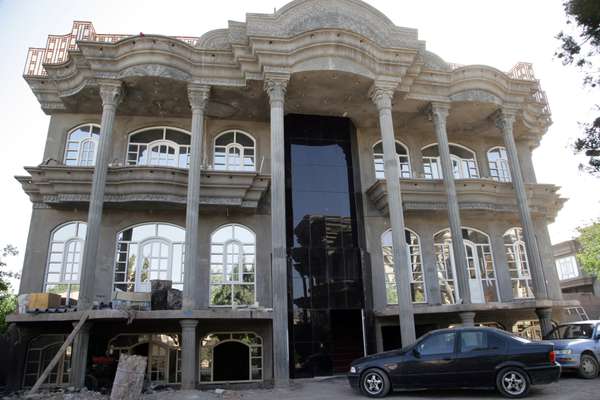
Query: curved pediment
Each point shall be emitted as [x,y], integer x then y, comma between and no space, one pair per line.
[217,39]
[355,16]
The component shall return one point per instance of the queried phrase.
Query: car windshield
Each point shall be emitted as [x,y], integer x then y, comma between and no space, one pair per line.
[572,331]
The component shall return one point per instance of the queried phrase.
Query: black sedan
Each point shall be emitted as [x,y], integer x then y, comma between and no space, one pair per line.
[458,358]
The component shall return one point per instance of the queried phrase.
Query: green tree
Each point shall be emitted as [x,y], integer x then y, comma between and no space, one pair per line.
[581,48]
[8,301]
[589,253]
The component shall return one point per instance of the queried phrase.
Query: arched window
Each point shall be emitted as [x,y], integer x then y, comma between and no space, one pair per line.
[498,162]
[231,356]
[480,266]
[162,349]
[518,263]
[232,266]
[82,144]
[417,283]
[234,151]
[147,252]
[464,163]
[64,260]
[159,146]
[403,160]
[40,351]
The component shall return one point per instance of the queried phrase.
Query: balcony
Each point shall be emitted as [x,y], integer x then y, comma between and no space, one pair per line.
[473,194]
[144,186]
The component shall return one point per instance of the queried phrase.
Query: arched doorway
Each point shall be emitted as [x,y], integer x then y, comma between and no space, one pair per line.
[231,357]
[231,362]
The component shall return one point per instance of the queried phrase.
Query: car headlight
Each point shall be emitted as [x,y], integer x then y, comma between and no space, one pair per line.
[564,351]
[353,370]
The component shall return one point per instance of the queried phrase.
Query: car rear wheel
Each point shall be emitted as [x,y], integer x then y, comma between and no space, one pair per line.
[588,367]
[513,383]
[375,383]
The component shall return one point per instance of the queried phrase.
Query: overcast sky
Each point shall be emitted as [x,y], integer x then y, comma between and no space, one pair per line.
[466,32]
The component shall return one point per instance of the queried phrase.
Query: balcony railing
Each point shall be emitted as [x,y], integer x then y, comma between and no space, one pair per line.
[58,46]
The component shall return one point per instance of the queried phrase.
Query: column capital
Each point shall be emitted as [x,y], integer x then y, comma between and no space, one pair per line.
[188,323]
[382,95]
[505,118]
[198,96]
[111,93]
[438,111]
[276,87]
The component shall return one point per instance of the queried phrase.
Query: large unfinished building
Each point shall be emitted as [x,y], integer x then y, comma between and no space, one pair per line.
[316,183]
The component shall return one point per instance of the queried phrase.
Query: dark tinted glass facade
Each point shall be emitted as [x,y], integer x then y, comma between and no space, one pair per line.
[326,293]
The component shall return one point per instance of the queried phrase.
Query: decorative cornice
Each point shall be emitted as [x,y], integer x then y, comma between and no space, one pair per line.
[198,96]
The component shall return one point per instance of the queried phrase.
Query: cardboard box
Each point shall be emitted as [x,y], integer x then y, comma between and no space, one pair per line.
[42,301]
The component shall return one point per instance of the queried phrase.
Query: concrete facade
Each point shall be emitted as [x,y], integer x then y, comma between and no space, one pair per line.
[327,58]
[575,283]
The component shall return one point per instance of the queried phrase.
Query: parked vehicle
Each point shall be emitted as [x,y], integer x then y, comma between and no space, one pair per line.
[458,358]
[577,347]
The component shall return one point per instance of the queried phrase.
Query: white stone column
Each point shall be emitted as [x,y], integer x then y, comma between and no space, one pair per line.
[505,120]
[111,93]
[189,354]
[198,97]
[382,96]
[439,113]
[276,88]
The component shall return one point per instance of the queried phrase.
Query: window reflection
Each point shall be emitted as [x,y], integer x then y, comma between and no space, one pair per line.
[165,147]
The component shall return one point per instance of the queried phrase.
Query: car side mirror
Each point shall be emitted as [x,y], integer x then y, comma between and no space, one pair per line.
[597,338]
[416,352]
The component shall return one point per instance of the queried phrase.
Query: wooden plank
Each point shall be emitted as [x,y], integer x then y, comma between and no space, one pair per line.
[59,353]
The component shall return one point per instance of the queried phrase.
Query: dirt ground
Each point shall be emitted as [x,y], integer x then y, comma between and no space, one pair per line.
[569,388]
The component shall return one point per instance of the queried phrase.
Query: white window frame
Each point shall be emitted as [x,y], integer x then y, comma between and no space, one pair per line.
[413,251]
[404,170]
[137,284]
[152,341]
[241,265]
[467,168]
[134,150]
[499,169]
[567,267]
[242,149]
[520,265]
[92,138]
[66,258]
[483,252]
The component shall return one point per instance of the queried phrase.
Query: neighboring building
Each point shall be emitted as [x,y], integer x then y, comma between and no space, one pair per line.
[247,166]
[576,284]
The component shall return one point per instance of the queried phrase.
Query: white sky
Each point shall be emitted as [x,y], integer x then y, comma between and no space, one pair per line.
[466,32]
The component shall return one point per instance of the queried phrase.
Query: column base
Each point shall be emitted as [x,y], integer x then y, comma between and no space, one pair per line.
[467,318]
[545,317]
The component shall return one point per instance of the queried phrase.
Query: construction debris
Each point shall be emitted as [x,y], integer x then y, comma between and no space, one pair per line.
[139,301]
[160,290]
[129,379]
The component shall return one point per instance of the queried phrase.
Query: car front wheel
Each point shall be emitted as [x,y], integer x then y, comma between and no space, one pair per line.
[513,382]
[375,383]
[588,367]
